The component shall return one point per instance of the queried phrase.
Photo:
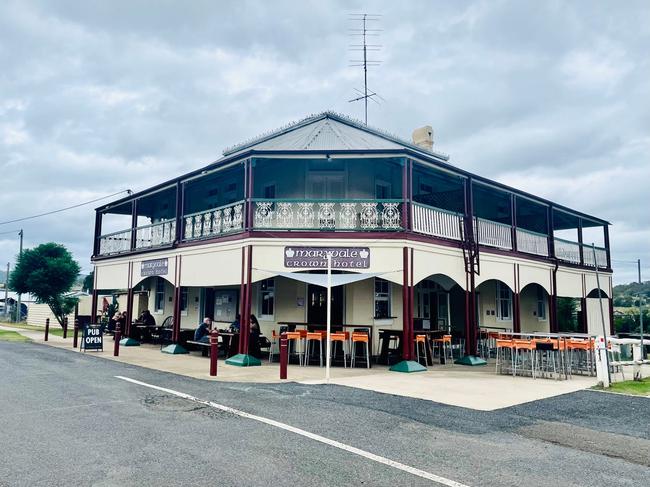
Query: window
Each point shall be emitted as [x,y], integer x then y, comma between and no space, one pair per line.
[184,301]
[382,298]
[382,190]
[541,303]
[159,300]
[269,191]
[267,300]
[504,302]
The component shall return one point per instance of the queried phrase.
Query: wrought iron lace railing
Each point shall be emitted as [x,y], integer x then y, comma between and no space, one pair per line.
[363,215]
[214,222]
[115,243]
[155,235]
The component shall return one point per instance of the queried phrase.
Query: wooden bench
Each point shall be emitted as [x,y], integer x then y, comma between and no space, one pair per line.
[205,346]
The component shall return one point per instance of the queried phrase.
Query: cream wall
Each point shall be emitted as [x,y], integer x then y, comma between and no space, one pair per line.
[594,319]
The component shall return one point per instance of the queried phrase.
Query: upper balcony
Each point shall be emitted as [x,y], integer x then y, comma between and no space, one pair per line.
[389,194]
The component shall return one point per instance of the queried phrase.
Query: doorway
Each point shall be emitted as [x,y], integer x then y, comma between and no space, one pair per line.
[317,305]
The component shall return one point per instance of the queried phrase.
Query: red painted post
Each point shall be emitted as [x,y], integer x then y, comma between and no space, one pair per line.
[116,347]
[214,352]
[65,327]
[47,328]
[284,356]
[75,335]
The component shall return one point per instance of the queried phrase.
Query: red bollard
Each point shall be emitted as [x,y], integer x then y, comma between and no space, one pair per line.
[116,347]
[65,327]
[284,356]
[75,335]
[47,328]
[214,352]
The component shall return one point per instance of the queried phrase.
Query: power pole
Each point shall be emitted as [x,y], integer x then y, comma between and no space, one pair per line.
[7,292]
[20,253]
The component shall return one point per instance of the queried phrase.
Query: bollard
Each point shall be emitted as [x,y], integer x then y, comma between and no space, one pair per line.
[65,327]
[116,336]
[214,352]
[284,356]
[47,328]
[75,334]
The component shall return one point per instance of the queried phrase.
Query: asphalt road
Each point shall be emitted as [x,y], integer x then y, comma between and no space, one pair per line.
[65,419]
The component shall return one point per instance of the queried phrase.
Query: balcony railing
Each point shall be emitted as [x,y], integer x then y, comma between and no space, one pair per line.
[155,235]
[115,243]
[532,242]
[493,234]
[214,222]
[567,251]
[347,215]
[437,222]
[588,256]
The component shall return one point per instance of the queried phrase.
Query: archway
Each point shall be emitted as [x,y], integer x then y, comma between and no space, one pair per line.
[534,309]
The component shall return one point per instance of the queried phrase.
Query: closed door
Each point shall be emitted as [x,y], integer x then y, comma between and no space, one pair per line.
[326,186]
[317,305]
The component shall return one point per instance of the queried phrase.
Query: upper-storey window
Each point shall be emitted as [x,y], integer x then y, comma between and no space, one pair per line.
[435,188]
[329,179]
[214,190]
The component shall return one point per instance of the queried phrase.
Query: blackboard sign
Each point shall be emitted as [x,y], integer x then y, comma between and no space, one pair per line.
[92,338]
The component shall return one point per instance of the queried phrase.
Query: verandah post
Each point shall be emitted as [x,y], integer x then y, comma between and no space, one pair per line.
[75,334]
[47,329]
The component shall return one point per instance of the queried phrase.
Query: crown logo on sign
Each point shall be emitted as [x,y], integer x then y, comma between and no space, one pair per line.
[289,252]
[364,254]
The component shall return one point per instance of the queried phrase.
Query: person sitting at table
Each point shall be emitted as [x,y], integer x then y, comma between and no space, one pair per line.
[120,319]
[202,333]
[146,318]
[254,341]
[112,322]
[234,326]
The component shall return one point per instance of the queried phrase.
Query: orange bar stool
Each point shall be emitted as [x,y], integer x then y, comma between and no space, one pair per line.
[445,352]
[359,337]
[421,341]
[524,351]
[342,338]
[296,338]
[310,338]
[504,354]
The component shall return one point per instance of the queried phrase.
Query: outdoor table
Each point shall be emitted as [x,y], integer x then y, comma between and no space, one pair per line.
[230,342]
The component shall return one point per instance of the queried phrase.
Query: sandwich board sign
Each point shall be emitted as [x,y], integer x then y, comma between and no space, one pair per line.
[92,338]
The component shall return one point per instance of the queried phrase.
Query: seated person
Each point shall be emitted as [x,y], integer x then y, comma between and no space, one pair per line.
[202,333]
[112,322]
[254,342]
[147,319]
[234,326]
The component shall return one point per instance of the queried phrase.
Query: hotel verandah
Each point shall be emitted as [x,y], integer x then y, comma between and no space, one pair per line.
[446,249]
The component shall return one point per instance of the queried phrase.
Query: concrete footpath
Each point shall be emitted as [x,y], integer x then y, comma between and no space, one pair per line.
[477,388]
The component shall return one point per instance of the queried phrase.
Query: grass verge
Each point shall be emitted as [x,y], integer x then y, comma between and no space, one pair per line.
[12,336]
[55,328]
[637,388]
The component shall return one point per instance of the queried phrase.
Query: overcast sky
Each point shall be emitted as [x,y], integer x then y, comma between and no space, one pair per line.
[96,97]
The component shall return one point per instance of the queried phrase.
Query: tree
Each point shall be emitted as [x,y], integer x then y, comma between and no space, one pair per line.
[47,272]
[89,282]
[567,314]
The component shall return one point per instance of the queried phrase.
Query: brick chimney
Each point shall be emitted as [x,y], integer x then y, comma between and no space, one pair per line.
[423,137]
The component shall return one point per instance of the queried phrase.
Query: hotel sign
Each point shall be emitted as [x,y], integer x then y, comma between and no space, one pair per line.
[154,267]
[316,257]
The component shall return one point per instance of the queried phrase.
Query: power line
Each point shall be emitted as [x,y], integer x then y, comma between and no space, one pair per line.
[64,209]
[12,231]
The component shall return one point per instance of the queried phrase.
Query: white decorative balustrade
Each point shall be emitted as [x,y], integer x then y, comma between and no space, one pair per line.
[532,242]
[434,221]
[155,235]
[214,222]
[115,243]
[493,234]
[328,215]
[567,251]
[588,256]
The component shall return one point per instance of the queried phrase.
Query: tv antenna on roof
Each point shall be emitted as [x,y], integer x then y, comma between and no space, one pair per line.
[364,32]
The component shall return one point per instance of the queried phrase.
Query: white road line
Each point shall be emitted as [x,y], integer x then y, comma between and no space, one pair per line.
[336,444]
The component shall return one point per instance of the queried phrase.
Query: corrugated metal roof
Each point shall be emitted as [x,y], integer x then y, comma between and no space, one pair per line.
[327,131]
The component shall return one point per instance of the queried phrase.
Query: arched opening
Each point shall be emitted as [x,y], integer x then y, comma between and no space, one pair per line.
[595,293]
[495,306]
[534,309]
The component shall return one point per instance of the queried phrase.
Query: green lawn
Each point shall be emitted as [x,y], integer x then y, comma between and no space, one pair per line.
[12,336]
[638,388]
[55,328]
